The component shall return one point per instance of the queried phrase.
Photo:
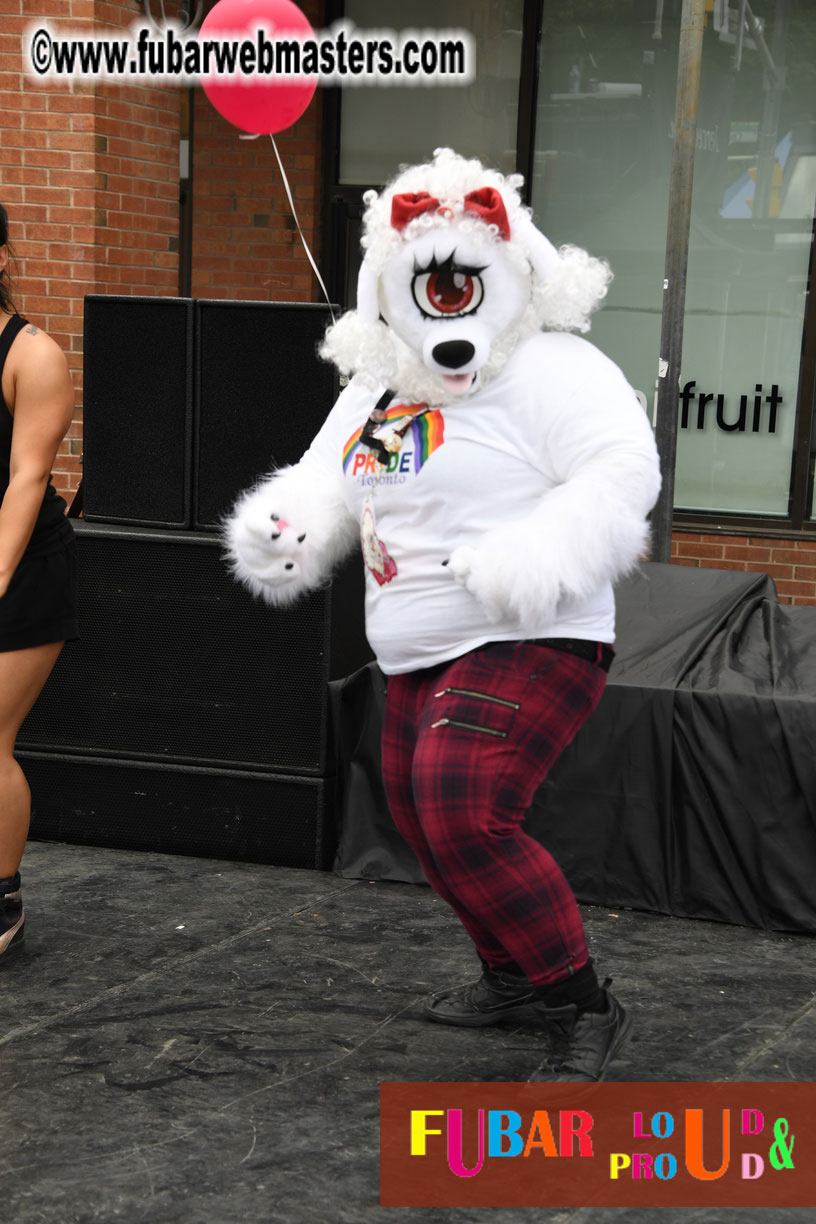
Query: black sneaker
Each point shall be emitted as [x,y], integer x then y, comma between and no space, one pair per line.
[582,1043]
[12,918]
[498,995]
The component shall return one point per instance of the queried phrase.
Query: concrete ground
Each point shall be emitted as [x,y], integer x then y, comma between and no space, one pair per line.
[197,1042]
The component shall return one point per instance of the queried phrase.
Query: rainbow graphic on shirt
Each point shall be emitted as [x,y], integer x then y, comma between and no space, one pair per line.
[424,435]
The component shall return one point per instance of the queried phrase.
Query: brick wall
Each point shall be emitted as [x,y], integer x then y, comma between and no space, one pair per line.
[791,563]
[245,244]
[46,162]
[89,176]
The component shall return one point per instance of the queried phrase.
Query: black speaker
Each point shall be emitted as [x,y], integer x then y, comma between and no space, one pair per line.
[261,392]
[228,814]
[178,663]
[138,405]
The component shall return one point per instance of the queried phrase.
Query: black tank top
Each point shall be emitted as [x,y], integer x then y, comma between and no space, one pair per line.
[51,523]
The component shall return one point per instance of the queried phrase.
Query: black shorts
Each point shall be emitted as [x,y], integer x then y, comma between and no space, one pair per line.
[40,604]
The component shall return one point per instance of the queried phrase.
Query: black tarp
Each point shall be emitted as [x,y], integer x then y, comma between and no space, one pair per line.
[691,791]
[370,848]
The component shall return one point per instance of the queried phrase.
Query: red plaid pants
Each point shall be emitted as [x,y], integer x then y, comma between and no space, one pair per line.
[465,746]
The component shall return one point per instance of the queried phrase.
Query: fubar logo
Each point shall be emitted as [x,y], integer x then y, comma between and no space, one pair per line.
[617,1145]
[504,1138]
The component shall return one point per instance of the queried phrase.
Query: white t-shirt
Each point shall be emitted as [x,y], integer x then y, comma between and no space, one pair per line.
[463,470]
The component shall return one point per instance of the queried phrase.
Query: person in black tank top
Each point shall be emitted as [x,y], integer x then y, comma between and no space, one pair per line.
[36,563]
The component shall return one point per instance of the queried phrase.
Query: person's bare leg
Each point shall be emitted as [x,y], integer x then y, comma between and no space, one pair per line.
[22,676]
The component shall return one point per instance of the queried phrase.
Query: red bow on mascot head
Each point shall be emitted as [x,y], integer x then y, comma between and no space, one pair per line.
[485,203]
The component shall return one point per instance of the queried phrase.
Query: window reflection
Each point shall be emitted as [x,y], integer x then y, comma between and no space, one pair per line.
[382,129]
[603,139]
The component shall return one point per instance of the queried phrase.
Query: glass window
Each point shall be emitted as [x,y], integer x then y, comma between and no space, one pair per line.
[382,128]
[603,152]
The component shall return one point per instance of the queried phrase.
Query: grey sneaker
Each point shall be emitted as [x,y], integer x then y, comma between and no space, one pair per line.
[12,917]
[496,996]
[582,1043]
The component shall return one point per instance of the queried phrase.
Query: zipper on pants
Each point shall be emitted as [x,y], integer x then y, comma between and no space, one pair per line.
[454,722]
[460,692]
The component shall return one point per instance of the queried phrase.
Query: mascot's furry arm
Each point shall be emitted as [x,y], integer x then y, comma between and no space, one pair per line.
[286,535]
[591,528]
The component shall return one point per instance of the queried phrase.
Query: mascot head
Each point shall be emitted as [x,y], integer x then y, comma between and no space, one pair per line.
[453,277]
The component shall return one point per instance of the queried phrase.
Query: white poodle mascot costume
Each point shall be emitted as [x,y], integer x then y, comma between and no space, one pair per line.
[498,472]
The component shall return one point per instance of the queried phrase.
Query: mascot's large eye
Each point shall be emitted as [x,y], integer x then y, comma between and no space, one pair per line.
[446,292]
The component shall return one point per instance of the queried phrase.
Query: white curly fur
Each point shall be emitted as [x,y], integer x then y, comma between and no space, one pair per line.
[574,286]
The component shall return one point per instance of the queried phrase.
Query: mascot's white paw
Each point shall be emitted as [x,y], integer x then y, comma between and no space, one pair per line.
[512,573]
[266,544]
[285,536]
[470,568]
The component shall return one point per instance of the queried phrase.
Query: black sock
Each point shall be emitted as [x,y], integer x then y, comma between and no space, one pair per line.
[581,988]
[512,967]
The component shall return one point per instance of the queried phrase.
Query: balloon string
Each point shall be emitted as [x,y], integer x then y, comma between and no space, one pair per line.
[309,255]
[287,189]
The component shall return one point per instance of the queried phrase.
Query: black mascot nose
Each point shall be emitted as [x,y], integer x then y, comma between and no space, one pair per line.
[453,353]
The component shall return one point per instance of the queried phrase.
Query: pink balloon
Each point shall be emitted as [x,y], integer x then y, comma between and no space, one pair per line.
[258,103]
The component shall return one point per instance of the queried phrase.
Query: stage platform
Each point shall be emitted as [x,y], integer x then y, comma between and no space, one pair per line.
[190,1041]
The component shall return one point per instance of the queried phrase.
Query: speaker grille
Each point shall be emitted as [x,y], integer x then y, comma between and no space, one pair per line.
[262,394]
[258,818]
[177,662]
[138,410]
